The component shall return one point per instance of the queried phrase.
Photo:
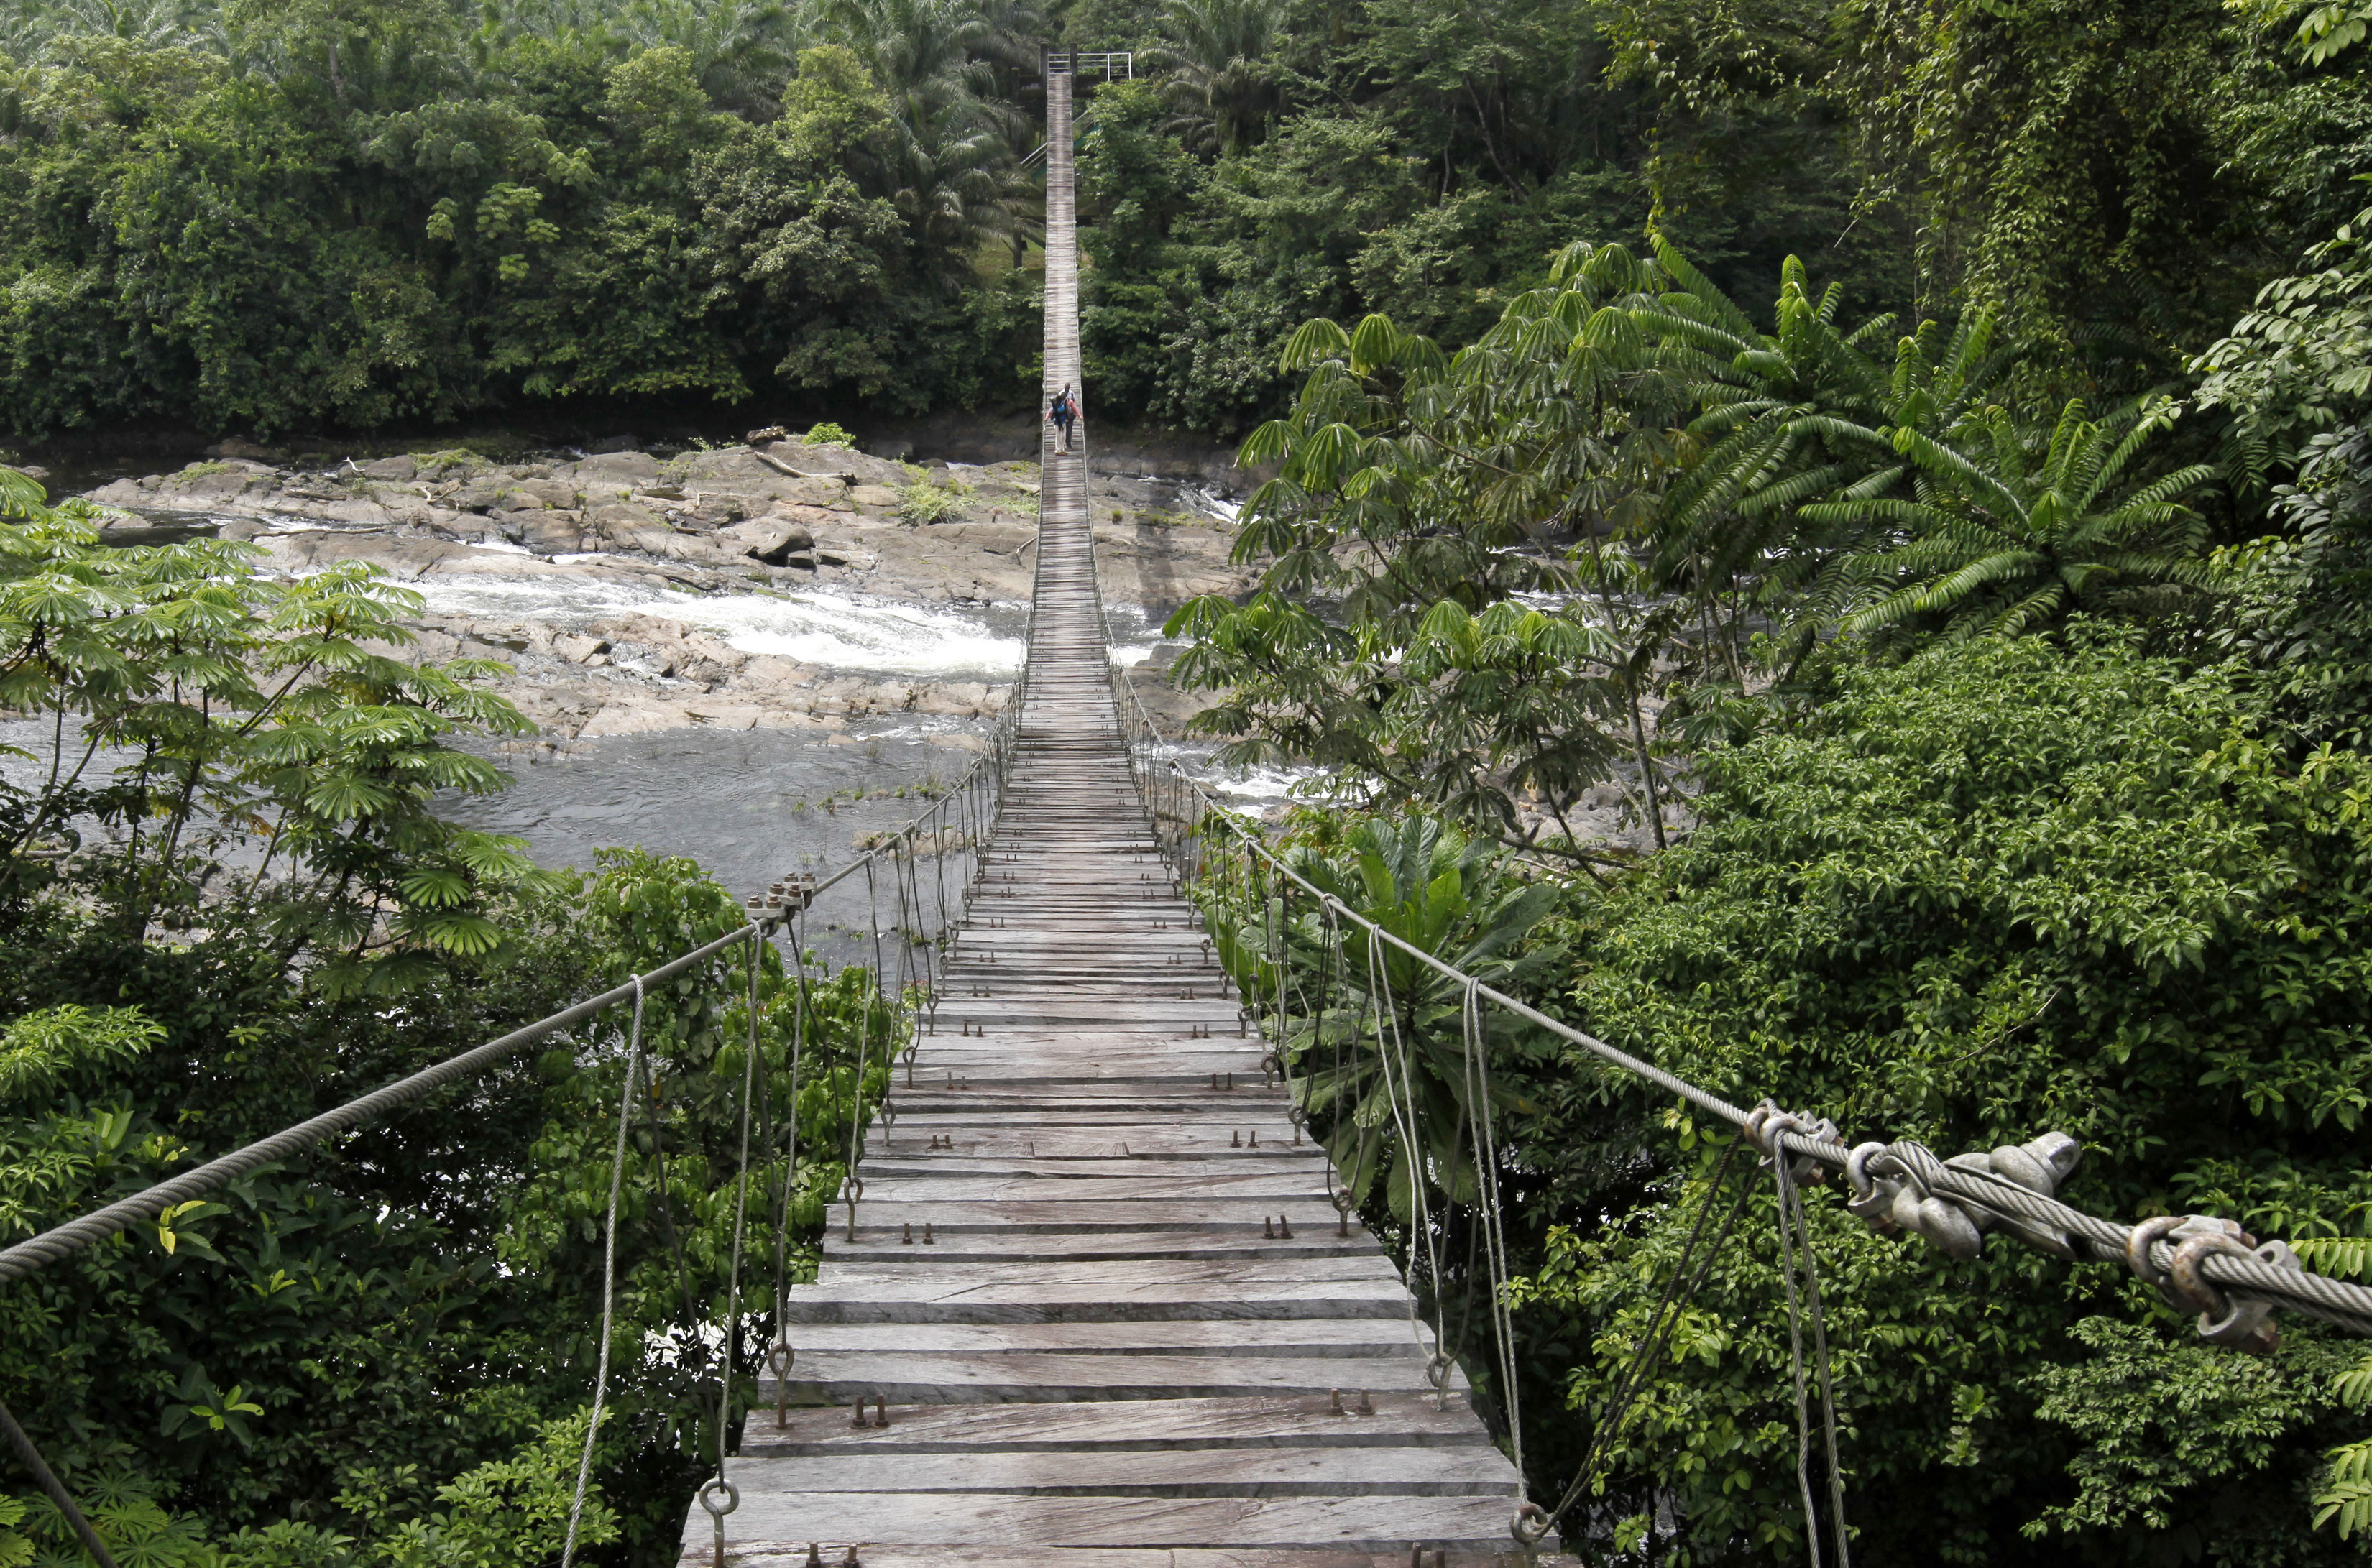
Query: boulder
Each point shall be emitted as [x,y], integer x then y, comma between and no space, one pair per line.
[771,539]
[874,498]
[552,491]
[836,460]
[629,527]
[618,468]
[517,499]
[401,467]
[578,648]
[551,533]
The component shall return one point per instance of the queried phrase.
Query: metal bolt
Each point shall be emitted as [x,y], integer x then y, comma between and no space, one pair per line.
[815,1556]
[926,1233]
[880,1418]
[1334,1402]
[908,1238]
[1284,1228]
[1235,1140]
[857,1412]
[1367,1405]
[1268,1231]
[1255,1143]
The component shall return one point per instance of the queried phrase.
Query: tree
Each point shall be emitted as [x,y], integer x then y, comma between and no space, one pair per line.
[2015,534]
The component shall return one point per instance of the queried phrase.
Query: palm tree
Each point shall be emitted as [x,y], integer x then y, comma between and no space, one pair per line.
[948,163]
[1222,85]
[742,50]
[2010,530]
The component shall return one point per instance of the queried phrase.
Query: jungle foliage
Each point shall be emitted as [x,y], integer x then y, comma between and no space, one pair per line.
[1979,651]
[229,906]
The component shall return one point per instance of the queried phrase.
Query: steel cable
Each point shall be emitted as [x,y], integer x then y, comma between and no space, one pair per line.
[609,1279]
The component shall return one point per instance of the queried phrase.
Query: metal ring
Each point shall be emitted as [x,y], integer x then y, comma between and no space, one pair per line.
[1343,1204]
[853,1189]
[1436,1371]
[732,1497]
[889,1114]
[780,1358]
[1531,1523]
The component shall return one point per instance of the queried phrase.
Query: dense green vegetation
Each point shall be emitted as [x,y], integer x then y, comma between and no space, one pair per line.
[228,907]
[1980,642]
[1919,458]
[323,216]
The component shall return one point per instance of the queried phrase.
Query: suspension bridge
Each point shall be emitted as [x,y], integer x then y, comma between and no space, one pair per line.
[1089,1296]
[1095,1298]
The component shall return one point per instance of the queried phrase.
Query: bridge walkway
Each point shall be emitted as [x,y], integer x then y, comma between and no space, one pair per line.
[1095,1275]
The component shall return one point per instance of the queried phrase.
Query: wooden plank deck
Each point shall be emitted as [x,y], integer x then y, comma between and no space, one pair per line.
[1096,1276]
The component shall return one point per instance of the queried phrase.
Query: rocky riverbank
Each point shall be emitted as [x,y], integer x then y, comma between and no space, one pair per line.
[768,584]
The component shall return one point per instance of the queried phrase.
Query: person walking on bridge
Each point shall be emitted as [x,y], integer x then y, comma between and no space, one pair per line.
[1065,412]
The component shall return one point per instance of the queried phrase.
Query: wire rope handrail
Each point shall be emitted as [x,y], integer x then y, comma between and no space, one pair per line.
[978,790]
[2199,1263]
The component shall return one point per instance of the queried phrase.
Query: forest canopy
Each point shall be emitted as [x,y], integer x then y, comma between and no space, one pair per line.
[342,216]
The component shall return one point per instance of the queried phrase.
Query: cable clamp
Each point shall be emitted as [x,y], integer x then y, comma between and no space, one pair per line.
[1890,1194]
[2243,1323]
[1764,1124]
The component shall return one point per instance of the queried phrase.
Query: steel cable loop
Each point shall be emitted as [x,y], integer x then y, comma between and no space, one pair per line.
[790,1157]
[608,1279]
[731,1336]
[1779,1166]
[1402,1105]
[1494,1230]
[1689,1271]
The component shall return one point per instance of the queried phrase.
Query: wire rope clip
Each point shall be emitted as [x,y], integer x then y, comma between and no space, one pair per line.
[1891,1195]
[2242,1323]
[1766,1122]
[716,1511]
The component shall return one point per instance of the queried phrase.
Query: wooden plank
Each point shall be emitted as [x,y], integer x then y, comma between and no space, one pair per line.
[1263,1420]
[1312,1337]
[918,1376]
[956,1301]
[1274,1472]
[892,1208]
[795,1554]
[1242,1239]
[1364,1523]
[1154,1186]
